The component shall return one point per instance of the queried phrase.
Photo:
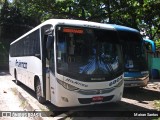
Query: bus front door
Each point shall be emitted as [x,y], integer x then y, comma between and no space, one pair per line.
[52,78]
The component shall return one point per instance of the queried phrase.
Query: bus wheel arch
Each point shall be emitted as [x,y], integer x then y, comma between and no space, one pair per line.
[16,78]
[38,90]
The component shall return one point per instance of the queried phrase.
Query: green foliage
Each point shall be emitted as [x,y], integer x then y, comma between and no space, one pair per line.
[11,14]
[2,2]
[157,104]
[3,55]
[157,42]
[140,14]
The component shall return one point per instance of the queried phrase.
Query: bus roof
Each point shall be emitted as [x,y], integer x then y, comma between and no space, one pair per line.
[124,28]
[69,22]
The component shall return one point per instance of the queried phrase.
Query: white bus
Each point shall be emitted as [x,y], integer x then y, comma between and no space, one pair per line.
[69,62]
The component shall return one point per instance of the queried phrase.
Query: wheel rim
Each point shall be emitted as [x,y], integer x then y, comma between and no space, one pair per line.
[38,91]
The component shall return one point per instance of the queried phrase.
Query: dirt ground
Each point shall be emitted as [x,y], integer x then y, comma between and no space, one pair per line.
[144,97]
[9,101]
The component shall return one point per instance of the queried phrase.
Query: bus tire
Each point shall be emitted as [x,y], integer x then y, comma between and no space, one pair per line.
[39,92]
[16,79]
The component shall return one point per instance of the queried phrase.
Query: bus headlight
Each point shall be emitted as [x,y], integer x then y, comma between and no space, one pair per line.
[120,83]
[145,73]
[67,86]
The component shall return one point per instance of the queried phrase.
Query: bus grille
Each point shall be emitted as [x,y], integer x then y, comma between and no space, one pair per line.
[95,92]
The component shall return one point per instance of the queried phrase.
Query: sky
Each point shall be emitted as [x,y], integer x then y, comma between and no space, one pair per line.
[10,1]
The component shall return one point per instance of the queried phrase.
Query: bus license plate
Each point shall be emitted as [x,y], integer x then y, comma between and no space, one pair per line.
[97,98]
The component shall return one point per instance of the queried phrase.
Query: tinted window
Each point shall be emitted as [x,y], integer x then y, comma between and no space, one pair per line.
[88,52]
[27,46]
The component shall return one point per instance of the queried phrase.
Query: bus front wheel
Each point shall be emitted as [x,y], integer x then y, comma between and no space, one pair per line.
[39,92]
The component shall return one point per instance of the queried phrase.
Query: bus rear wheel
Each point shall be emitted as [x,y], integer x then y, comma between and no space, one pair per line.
[39,92]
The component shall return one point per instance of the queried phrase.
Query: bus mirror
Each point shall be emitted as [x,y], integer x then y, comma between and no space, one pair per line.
[49,42]
[151,44]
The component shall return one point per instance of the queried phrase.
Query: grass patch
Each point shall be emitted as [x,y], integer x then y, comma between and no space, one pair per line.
[14,90]
[156,119]
[157,105]
[23,104]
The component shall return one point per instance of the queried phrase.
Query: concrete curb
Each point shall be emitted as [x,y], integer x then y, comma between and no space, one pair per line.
[26,104]
[30,104]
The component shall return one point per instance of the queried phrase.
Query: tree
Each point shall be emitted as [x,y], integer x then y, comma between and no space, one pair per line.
[73,9]
[2,2]
[140,14]
[151,21]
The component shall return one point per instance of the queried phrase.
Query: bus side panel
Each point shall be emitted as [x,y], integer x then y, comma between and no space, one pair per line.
[33,68]
[15,70]
[26,68]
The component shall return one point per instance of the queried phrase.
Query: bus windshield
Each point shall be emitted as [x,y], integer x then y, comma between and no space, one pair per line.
[133,51]
[88,54]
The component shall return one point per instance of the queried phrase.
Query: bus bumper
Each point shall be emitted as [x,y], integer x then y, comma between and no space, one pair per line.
[71,99]
[136,82]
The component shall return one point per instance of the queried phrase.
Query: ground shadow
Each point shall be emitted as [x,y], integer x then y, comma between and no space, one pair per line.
[3,73]
[25,88]
[141,94]
[153,80]
[50,106]
[110,111]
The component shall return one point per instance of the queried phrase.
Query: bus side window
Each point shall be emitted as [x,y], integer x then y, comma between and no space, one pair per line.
[49,45]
